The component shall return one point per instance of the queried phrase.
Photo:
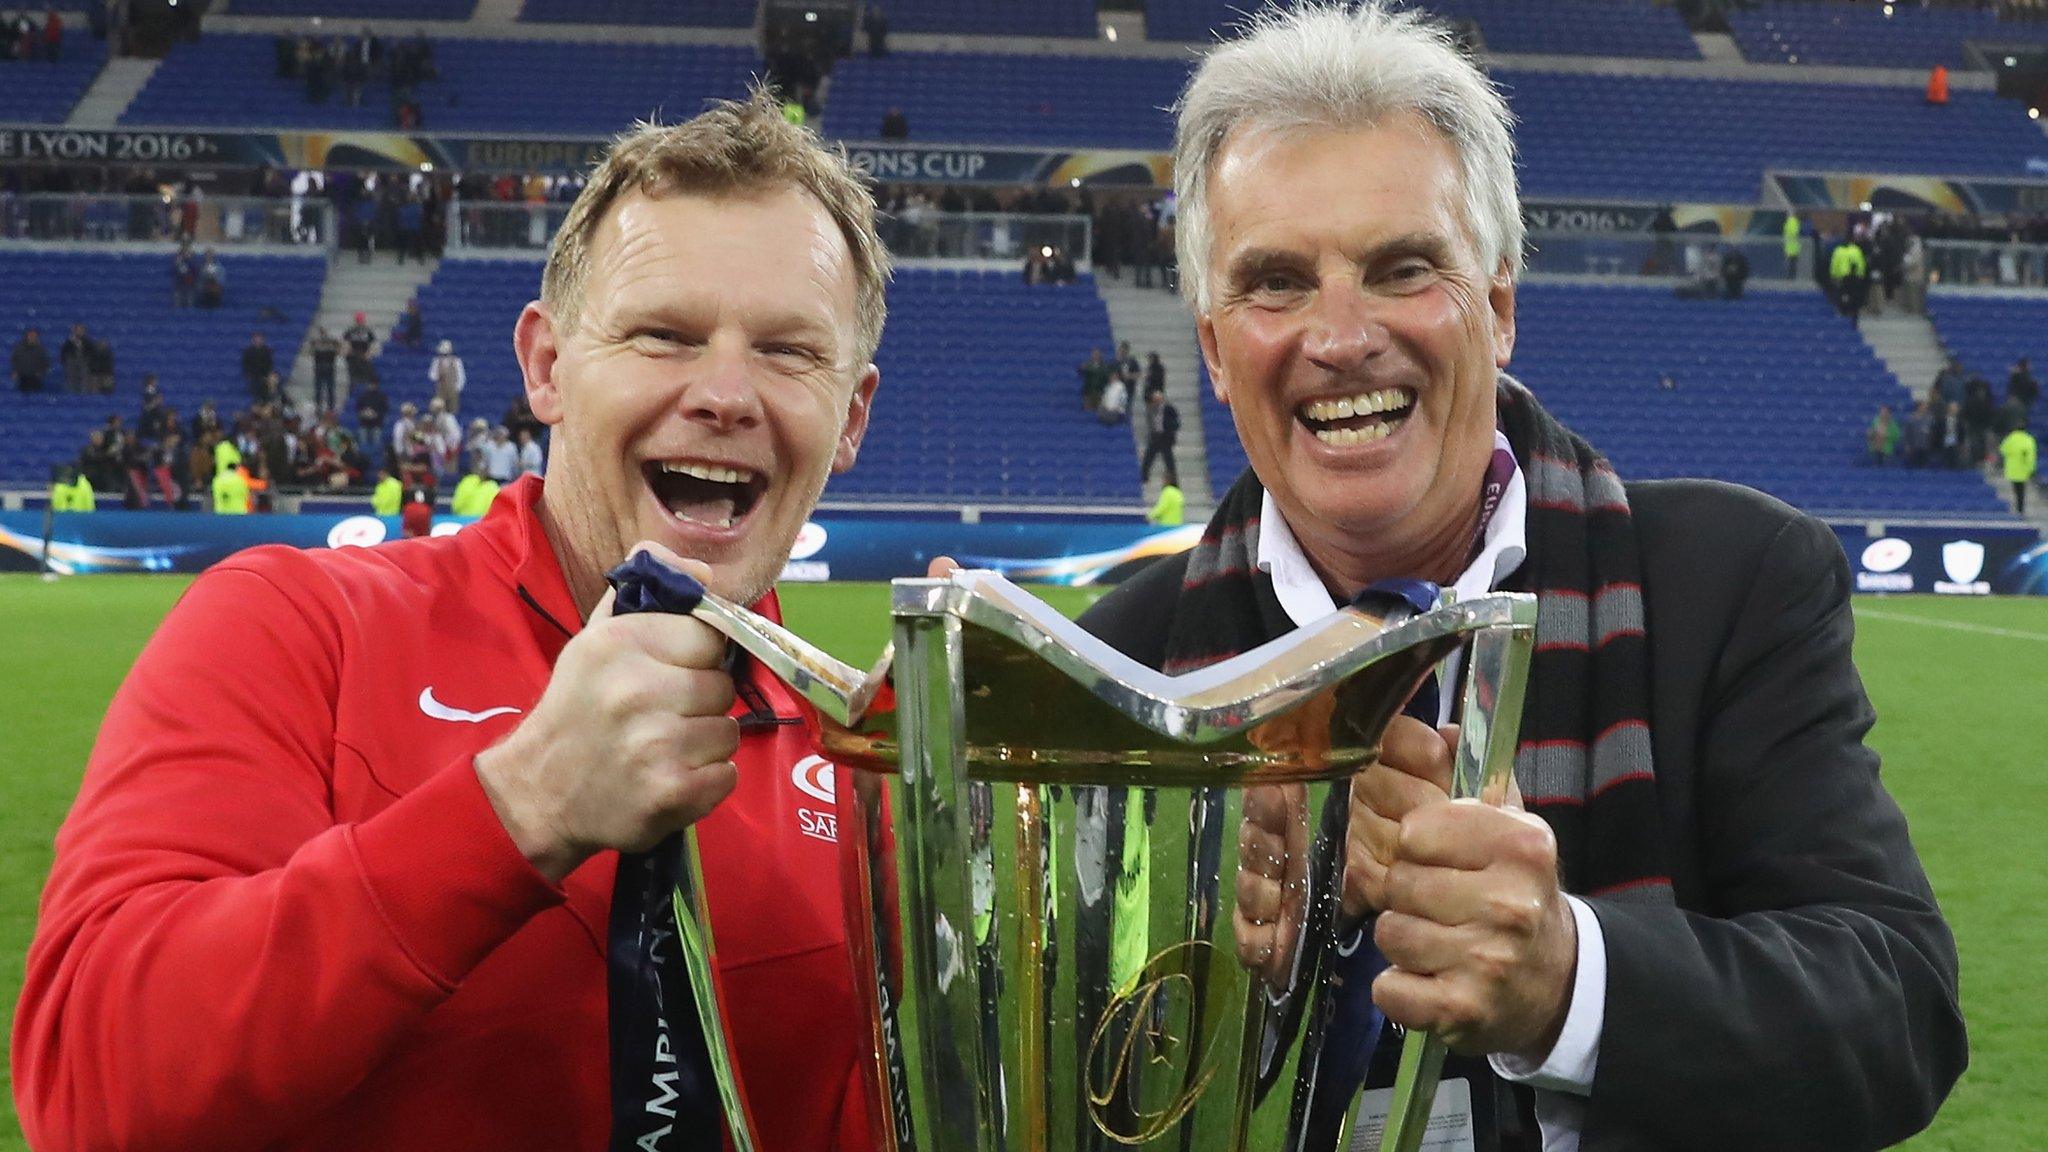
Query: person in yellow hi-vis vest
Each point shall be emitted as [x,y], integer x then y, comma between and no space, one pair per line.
[231,492]
[1792,245]
[2019,452]
[1170,509]
[473,493]
[70,492]
[388,496]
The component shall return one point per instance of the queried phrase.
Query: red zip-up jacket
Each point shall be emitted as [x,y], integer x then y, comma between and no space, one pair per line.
[284,914]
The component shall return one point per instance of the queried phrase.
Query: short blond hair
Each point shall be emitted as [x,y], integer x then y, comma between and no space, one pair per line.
[737,146]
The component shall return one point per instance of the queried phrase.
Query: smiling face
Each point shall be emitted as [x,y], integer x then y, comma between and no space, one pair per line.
[1356,342]
[707,389]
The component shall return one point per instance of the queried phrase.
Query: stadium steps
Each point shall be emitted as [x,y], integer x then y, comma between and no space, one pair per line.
[378,289]
[1718,47]
[1907,346]
[112,91]
[1154,320]
[497,11]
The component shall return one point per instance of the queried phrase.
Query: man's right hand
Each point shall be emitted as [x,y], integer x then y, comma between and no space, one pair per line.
[630,742]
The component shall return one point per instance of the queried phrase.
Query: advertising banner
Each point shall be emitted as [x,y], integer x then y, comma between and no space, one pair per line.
[1048,550]
[1965,196]
[1947,561]
[2005,560]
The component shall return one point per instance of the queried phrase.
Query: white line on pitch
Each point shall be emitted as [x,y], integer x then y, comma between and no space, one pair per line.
[1985,629]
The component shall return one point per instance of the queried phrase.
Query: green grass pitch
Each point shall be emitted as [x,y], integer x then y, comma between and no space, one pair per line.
[1957,683]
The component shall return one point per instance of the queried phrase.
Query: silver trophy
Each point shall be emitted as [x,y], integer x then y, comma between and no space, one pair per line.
[1043,845]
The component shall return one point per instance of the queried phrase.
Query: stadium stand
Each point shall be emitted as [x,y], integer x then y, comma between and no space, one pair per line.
[43,91]
[689,13]
[485,86]
[1870,35]
[1773,391]
[1619,137]
[1633,137]
[1989,333]
[979,398]
[360,9]
[1615,137]
[125,298]
[1007,18]
[1009,99]
[1624,28]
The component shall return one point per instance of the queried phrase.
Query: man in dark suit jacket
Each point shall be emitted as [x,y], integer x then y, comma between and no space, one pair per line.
[1708,929]
[1162,428]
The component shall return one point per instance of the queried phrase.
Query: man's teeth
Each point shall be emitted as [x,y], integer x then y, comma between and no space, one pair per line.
[711,472]
[721,522]
[1340,437]
[1363,404]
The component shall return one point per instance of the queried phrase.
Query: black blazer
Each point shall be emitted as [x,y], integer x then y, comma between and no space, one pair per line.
[1802,993]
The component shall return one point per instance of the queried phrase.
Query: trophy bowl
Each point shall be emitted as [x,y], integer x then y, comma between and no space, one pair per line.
[1042,853]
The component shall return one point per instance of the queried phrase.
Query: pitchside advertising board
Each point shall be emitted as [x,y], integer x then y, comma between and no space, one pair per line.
[1947,561]
[1040,549]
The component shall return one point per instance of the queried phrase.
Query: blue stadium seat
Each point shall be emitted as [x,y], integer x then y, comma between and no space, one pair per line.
[1871,35]
[360,9]
[1989,333]
[687,13]
[979,397]
[966,98]
[125,298]
[1007,18]
[44,91]
[1635,28]
[484,86]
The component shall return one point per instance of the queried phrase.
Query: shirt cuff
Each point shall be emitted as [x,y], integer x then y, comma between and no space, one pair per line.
[1572,1061]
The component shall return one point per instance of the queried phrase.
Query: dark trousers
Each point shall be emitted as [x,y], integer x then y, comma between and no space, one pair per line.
[2019,495]
[1159,448]
[323,385]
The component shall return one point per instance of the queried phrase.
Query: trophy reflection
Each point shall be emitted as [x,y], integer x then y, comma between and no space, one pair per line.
[1097,907]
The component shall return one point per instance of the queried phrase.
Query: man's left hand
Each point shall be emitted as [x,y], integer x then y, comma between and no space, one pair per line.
[1482,943]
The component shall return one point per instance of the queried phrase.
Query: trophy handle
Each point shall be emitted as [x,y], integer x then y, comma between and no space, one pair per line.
[1483,765]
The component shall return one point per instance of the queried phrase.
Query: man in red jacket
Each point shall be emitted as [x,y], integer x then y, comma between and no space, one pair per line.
[339,872]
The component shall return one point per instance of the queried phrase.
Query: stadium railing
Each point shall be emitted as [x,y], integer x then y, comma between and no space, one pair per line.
[222,222]
[513,229]
[2010,264]
[1569,253]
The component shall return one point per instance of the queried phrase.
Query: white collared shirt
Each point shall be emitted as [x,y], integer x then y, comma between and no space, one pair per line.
[1565,1077]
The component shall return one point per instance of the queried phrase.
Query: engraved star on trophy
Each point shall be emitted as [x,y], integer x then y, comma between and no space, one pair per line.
[1041,842]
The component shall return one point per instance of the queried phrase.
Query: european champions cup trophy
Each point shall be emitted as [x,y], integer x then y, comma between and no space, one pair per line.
[1042,842]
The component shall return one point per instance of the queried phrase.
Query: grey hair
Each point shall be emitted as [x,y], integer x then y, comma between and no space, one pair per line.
[1345,65]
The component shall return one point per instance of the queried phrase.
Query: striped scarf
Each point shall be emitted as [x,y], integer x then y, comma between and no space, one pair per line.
[1584,757]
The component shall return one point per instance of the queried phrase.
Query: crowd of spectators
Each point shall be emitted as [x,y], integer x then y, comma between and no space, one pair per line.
[23,39]
[1959,423]
[1107,388]
[164,459]
[351,64]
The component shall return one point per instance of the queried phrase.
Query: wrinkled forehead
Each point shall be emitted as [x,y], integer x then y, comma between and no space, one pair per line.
[1311,182]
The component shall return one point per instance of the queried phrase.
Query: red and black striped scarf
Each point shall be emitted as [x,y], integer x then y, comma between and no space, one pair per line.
[1584,758]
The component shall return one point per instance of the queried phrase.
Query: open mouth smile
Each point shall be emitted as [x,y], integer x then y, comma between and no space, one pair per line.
[1361,419]
[705,494]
